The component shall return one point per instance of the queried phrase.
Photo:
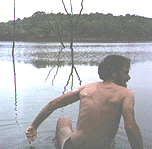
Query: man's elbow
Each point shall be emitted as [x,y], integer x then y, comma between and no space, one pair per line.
[131,127]
[52,105]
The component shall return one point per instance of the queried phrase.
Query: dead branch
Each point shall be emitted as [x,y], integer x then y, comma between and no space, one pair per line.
[65,7]
[71,44]
[14,70]
[13,57]
[57,66]
[58,57]
[77,75]
[71,7]
[67,11]
[49,73]
[71,75]
[58,30]
[73,25]
[79,13]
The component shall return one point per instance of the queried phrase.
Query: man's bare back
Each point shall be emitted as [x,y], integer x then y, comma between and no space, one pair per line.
[101,107]
[99,113]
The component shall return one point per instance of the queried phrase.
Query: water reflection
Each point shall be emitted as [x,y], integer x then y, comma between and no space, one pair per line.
[42,55]
[40,63]
[85,58]
[33,92]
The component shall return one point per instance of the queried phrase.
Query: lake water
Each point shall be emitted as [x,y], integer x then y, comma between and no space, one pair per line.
[33,63]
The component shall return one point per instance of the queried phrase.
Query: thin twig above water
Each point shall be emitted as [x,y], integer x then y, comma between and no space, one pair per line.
[73,25]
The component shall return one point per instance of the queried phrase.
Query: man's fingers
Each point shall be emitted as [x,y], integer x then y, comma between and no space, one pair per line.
[27,133]
[31,134]
[33,138]
[29,139]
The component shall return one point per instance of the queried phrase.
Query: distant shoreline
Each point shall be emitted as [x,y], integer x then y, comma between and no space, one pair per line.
[86,40]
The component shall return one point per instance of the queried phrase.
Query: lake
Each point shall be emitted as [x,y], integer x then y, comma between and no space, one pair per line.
[34,60]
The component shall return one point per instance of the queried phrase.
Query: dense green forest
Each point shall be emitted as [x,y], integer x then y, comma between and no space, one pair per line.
[91,27]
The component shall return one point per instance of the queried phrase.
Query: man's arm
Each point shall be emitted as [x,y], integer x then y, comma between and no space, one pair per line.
[132,129]
[59,102]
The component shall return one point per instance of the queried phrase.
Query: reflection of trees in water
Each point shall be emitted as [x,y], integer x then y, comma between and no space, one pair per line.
[91,58]
[40,63]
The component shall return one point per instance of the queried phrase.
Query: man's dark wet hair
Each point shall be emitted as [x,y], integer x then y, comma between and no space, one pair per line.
[112,63]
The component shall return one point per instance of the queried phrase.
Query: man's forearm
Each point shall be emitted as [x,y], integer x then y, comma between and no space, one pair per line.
[135,138]
[45,112]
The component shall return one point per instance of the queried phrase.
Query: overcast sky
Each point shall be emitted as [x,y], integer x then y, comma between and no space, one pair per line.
[26,8]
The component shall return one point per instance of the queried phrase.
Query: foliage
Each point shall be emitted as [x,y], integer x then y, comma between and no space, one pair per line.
[105,27]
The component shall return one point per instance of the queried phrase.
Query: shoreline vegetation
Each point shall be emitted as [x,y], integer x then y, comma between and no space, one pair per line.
[83,40]
[87,40]
[93,27]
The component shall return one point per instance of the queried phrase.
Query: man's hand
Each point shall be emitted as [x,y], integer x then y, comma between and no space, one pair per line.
[31,133]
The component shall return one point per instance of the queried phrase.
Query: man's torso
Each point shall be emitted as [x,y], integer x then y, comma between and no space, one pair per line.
[99,114]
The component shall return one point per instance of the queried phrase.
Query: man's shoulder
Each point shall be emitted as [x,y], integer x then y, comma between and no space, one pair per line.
[125,90]
[87,85]
[128,93]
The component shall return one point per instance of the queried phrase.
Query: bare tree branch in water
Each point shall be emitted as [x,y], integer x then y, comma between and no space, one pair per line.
[58,56]
[73,25]
[80,12]
[71,75]
[58,30]
[13,57]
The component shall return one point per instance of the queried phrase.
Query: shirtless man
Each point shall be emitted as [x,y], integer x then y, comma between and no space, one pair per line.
[101,107]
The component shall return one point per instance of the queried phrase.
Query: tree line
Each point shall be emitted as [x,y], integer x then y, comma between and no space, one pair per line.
[91,27]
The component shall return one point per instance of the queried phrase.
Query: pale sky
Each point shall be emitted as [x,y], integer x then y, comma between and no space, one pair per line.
[26,8]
